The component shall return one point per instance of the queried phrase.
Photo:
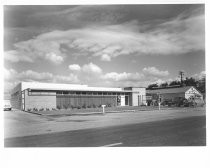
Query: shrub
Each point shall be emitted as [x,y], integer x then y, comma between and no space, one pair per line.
[54,109]
[41,109]
[84,106]
[28,109]
[78,107]
[72,107]
[69,106]
[89,106]
[58,107]
[99,105]
[108,105]
[47,109]
[65,106]
[94,106]
[35,109]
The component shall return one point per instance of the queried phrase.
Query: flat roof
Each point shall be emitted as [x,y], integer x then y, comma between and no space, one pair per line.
[83,90]
[171,90]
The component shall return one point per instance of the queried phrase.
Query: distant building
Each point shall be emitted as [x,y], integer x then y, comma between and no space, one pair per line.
[29,95]
[186,92]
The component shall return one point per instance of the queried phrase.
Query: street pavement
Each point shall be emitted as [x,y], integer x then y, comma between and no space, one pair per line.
[188,131]
[18,123]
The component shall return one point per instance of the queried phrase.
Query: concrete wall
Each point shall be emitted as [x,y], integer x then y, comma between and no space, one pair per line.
[43,101]
[138,96]
[122,103]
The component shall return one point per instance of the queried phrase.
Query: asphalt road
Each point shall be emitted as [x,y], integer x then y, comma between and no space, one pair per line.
[189,131]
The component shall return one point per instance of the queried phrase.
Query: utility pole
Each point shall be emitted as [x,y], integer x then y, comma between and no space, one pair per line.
[181,73]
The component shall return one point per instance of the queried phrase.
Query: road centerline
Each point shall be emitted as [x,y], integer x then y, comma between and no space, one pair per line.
[114,144]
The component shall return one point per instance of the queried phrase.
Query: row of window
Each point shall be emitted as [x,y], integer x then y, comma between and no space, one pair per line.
[74,93]
[89,93]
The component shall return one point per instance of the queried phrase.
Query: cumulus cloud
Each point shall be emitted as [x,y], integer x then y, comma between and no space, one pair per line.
[158,81]
[91,68]
[105,57]
[155,72]
[123,76]
[33,49]
[200,75]
[86,73]
[71,78]
[91,74]
[147,76]
[176,36]
[17,56]
[12,78]
[9,74]
[86,68]
[54,58]
[30,75]
[74,67]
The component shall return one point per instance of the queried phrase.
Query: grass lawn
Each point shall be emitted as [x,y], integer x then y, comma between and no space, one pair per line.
[99,110]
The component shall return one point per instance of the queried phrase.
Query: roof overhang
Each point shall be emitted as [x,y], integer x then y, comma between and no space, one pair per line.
[79,90]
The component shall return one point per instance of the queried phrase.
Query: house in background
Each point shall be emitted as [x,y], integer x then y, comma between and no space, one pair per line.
[169,93]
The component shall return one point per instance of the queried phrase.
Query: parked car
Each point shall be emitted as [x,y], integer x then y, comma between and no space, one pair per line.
[196,102]
[192,102]
[167,102]
[7,105]
[181,101]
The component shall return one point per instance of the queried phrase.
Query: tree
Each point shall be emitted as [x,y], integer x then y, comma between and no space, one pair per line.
[175,83]
[190,82]
[201,85]
[164,85]
[152,86]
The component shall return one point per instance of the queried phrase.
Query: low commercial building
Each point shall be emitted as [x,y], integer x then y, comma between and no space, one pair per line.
[187,92]
[30,95]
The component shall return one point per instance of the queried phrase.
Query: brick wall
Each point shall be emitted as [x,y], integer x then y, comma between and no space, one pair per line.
[16,101]
[16,97]
[39,101]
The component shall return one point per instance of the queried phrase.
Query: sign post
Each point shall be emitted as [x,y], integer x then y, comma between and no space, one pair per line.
[159,100]
[103,106]
[159,105]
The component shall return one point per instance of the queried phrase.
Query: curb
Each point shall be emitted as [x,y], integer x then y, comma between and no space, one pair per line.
[80,114]
[72,114]
[32,112]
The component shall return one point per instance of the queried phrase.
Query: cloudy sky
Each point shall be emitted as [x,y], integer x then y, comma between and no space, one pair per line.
[103,45]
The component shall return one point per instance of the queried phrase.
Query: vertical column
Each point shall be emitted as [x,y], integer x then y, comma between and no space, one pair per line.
[23,100]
